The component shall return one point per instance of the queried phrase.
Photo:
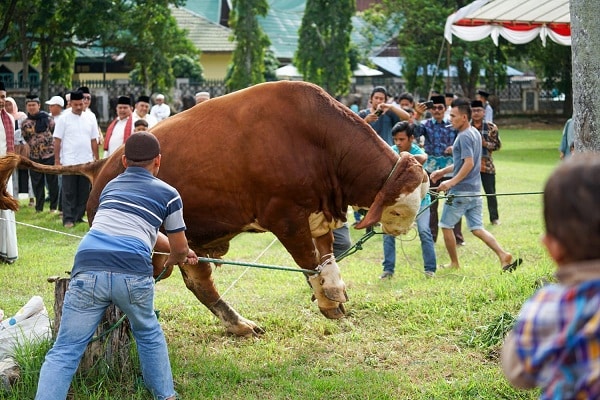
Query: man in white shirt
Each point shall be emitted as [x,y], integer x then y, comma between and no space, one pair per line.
[160,110]
[87,111]
[202,96]
[482,96]
[75,142]
[121,128]
[142,108]
[449,97]
[55,105]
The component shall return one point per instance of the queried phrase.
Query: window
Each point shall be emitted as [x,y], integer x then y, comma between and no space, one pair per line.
[7,76]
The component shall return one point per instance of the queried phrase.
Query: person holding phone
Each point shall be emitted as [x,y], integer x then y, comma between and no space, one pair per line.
[381,115]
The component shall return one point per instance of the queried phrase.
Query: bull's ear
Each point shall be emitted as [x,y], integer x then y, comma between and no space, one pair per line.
[374,214]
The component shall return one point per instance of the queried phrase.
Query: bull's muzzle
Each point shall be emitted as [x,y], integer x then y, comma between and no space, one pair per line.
[329,290]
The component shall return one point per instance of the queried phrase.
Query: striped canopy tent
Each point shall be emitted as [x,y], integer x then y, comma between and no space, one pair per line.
[518,21]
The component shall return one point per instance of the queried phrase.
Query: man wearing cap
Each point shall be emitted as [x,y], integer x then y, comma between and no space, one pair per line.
[202,96]
[87,111]
[87,101]
[160,110]
[121,128]
[438,137]
[142,109]
[113,265]
[8,228]
[37,131]
[490,140]
[483,96]
[55,105]
[75,142]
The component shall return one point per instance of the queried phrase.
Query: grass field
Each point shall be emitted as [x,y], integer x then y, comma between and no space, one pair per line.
[404,338]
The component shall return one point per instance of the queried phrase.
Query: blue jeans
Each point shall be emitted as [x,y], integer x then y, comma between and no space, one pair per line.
[427,245]
[341,240]
[470,206]
[88,296]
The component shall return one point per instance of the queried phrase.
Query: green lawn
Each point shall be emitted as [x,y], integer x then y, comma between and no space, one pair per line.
[408,337]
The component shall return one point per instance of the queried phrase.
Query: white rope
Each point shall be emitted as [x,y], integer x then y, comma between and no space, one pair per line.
[247,268]
[42,228]
[81,237]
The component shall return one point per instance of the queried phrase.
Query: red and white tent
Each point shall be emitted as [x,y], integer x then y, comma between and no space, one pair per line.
[518,21]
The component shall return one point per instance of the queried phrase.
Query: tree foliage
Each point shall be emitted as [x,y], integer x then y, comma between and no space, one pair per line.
[323,54]
[185,66]
[418,28]
[49,32]
[247,67]
[553,64]
[151,40]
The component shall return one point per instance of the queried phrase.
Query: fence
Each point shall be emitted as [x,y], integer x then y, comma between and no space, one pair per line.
[524,97]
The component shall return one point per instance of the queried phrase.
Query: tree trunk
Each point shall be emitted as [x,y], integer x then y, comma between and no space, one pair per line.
[45,52]
[585,32]
[111,349]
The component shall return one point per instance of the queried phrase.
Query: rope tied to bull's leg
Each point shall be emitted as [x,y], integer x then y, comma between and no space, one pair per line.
[329,258]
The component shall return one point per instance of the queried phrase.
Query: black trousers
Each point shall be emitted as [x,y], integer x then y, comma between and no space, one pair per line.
[489,186]
[38,184]
[75,193]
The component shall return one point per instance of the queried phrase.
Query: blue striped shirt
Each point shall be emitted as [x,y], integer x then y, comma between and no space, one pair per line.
[133,206]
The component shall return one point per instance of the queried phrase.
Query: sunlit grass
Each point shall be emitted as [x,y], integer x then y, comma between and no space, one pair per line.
[408,337]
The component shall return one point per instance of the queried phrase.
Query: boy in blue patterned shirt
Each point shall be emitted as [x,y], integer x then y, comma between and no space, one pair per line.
[555,343]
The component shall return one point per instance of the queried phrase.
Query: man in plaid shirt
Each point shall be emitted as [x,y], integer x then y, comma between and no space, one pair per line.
[490,140]
[555,343]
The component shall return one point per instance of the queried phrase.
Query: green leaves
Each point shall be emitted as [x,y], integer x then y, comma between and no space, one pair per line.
[323,54]
[248,66]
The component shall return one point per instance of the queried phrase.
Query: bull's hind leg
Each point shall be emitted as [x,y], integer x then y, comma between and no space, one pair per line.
[198,279]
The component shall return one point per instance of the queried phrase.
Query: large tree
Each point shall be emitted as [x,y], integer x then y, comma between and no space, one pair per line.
[48,32]
[151,39]
[585,30]
[418,28]
[247,67]
[323,54]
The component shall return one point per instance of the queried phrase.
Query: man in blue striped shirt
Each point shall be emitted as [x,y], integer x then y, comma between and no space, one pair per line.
[113,265]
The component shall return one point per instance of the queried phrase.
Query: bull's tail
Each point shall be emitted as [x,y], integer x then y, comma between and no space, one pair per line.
[7,164]
[11,161]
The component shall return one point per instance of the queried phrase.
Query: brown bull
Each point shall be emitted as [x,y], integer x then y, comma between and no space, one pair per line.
[283,157]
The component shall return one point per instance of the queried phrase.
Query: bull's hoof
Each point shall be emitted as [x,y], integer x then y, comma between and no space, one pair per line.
[336,293]
[334,313]
[245,328]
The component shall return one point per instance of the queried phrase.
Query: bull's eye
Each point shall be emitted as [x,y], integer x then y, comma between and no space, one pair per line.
[395,213]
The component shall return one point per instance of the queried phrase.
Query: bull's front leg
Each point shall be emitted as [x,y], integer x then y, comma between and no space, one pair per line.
[198,279]
[328,287]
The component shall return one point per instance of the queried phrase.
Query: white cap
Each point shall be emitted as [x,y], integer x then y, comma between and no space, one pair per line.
[203,95]
[160,96]
[56,100]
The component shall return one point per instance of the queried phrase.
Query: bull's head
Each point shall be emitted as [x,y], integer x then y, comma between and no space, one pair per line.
[398,201]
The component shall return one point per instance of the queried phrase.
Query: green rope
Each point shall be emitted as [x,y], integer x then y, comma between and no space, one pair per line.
[356,247]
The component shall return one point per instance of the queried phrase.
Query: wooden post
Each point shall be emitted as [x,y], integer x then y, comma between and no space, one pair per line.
[111,349]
